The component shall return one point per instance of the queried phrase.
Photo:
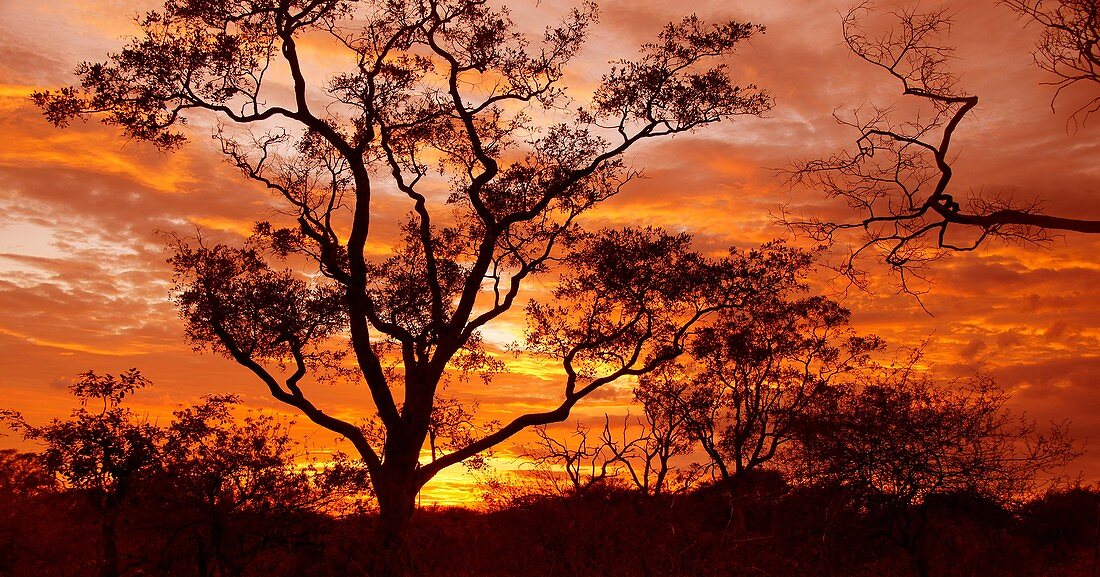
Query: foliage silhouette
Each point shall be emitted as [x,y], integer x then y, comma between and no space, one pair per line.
[901,442]
[758,370]
[788,531]
[201,474]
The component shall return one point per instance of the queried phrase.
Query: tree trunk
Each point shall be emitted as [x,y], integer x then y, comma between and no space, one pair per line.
[110,563]
[920,565]
[201,557]
[396,486]
[912,537]
[396,503]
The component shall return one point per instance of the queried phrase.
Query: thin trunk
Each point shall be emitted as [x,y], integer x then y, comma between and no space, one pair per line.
[913,532]
[217,538]
[110,565]
[920,565]
[201,556]
[1096,546]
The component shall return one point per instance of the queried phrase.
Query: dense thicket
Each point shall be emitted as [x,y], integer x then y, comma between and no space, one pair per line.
[769,527]
[886,472]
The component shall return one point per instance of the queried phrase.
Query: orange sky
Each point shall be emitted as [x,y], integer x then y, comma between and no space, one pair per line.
[83,281]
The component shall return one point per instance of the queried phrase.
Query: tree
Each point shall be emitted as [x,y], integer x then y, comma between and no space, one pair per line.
[587,461]
[903,437]
[234,487]
[24,480]
[756,371]
[466,117]
[22,475]
[101,454]
[898,176]
[664,434]
[229,486]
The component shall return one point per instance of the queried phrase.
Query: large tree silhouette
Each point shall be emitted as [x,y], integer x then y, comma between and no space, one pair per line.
[450,106]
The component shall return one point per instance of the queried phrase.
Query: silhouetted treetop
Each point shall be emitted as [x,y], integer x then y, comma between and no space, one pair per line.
[100,451]
[901,436]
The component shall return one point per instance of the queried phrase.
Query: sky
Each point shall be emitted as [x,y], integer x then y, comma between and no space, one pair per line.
[84,283]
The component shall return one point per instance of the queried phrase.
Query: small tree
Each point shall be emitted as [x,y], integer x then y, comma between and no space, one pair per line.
[24,481]
[756,371]
[465,117]
[664,434]
[902,437]
[23,475]
[101,452]
[585,458]
[235,487]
